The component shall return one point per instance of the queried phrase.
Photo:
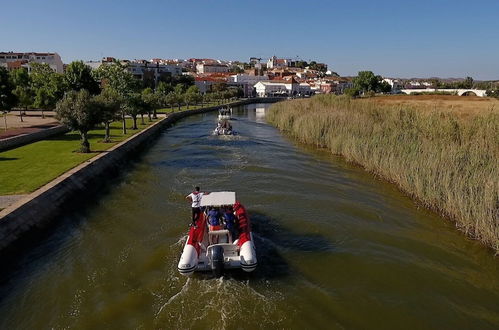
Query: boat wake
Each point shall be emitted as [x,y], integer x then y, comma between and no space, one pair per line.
[217,304]
[203,301]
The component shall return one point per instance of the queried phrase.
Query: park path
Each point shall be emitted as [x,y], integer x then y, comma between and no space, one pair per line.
[32,122]
[7,200]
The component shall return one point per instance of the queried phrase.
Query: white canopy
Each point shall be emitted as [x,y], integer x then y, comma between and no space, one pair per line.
[219,198]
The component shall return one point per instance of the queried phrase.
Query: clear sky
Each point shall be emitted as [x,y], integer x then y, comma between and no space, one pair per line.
[393,38]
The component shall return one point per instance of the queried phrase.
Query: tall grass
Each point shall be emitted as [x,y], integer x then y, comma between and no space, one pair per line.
[449,163]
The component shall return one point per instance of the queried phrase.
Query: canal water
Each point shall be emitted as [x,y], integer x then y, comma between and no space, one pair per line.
[337,248]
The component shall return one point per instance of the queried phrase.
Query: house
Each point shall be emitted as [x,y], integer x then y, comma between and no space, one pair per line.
[287,87]
[143,70]
[246,82]
[12,60]
[246,78]
[396,84]
[275,63]
[211,67]
[204,82]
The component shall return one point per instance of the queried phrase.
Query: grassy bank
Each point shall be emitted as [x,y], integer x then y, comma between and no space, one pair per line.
[447,159]
[25,169]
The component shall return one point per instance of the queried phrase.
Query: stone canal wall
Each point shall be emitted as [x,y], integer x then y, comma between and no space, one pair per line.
[40,208]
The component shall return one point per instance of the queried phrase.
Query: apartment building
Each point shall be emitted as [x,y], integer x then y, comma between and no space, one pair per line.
[13,60]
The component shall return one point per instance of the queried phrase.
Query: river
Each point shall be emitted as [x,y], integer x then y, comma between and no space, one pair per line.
[337,248]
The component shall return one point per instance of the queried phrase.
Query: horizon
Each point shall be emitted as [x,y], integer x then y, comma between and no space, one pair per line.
[448,39]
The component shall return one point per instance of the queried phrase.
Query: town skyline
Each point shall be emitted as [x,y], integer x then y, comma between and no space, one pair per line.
[445,39]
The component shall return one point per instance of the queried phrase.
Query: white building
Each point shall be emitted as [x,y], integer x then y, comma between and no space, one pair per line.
[11,60]
[281,88]
[246,79]
[142,69]
[277,63]
[211,67]
[246,82]
[396,84]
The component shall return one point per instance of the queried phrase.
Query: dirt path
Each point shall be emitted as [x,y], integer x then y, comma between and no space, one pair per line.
[32,122]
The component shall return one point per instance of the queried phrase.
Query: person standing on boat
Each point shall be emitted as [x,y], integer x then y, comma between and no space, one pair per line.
[230,222]
[195,198]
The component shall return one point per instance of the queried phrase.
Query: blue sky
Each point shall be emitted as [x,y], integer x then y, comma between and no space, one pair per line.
[393,38]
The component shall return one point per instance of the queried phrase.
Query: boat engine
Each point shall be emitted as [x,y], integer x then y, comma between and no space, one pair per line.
[217,261]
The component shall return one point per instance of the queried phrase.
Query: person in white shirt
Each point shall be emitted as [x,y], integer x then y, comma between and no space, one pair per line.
[195,199]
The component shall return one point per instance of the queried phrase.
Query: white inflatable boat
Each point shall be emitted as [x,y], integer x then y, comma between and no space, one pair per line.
[224,114]
[224,127]
[216,248]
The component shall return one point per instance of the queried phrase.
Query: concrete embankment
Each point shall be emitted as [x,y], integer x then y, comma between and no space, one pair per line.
[41,207]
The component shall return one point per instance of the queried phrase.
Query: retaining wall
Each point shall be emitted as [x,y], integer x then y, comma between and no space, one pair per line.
[41,207]
[17,141]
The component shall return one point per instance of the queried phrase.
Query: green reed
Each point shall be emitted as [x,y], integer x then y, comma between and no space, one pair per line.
[448,162]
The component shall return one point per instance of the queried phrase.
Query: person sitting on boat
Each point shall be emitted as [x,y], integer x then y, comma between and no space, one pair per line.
[195,198]
[214,219]
[230,222]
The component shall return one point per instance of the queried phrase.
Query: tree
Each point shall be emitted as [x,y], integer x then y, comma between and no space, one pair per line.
[219,87]
[7,98]
[384,87]
[116,77]
[150,102]
[301,64]
[236,68]
[192,95]
[352,92]
[48,86]
[164,88]
[468,82]
[493,92]
[40,74]
[179,94]
[23,92]
[78,111]
[109,103]
[321,67]
[44,99]
[79,76]
[226,95]
[171,99]
[134,106]
[367,83]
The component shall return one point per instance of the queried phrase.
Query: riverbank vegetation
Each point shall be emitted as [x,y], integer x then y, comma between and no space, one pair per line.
[111,94]
[443,155]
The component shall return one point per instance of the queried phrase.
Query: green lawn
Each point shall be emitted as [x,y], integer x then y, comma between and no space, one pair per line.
[25,169]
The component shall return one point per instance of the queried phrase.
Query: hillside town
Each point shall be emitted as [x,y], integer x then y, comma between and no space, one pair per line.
[256,78]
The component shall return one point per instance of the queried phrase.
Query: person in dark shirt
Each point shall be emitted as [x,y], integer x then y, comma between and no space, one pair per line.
[230,222]
[214,219]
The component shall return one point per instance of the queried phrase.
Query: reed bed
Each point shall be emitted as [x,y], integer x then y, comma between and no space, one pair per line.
[448,162]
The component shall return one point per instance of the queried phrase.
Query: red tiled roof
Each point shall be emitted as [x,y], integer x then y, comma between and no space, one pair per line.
[27,53]
[16,64]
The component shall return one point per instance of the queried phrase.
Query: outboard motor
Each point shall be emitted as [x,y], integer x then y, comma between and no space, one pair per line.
[217,261]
